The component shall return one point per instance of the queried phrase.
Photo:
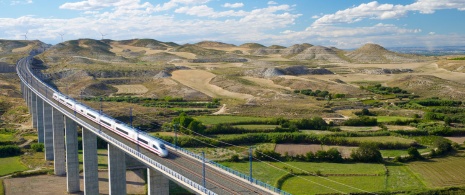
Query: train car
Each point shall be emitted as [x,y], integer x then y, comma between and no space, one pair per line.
[131,134]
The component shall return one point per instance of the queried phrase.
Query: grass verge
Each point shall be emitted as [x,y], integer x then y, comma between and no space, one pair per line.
[10,165]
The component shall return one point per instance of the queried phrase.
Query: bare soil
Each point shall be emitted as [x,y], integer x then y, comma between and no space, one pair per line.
[459,140]
[200,81]
[51,185]
[131,89]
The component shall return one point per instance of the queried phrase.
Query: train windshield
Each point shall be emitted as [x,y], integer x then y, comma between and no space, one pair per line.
[162,146]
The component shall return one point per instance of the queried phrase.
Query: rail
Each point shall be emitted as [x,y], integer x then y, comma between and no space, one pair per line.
[186,152]
[108,138]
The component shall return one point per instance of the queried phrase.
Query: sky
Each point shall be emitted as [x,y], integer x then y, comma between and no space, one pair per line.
[340,23]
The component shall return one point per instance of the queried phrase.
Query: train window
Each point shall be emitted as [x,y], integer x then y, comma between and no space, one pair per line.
[105,122]
[62,100]
[154,146]
[123,131]
[91,115]
[69,104]
[82,110]
[143,141]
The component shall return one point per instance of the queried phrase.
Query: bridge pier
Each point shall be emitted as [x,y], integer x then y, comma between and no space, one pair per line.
[116,170]
[157,183]
[34,110]
[89,147]
[40,118]
[72,161]
[58,142]
[29,100]
[48,131]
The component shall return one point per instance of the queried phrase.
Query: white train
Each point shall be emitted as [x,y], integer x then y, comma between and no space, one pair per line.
[123,130]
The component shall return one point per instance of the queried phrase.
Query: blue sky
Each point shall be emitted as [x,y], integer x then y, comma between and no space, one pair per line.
[339,23]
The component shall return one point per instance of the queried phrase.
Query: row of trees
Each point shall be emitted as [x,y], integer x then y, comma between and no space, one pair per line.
[367,152]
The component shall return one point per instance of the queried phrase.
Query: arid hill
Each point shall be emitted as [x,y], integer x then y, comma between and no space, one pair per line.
[373,53]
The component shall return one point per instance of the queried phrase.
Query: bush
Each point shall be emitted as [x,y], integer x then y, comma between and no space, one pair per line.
[361,121]
[9,150]
[38,147]
[414,154]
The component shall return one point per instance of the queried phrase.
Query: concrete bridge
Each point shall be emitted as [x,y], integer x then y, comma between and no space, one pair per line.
[57,127]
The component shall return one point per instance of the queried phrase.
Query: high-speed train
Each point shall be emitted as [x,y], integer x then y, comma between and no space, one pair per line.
[117,127]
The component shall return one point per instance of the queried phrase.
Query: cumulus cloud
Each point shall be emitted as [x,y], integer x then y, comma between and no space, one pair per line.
[233,5]
[375,10]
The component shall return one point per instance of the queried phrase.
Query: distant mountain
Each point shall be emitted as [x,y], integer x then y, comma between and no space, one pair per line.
[431,51]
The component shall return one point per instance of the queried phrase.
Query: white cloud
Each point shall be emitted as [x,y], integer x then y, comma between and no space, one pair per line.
[272,3]
[233,5]
[315,16]
[375,10]
[21,2]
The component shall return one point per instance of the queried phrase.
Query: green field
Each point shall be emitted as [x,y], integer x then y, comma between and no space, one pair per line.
[10,165]
[402,178]
[102,158]
[441,172]
[391,118]
[2,191]
[7,137]
[394,153]
[257,127]
[212,120]
[382,139]
[270,174]
[352,128]
[322,185]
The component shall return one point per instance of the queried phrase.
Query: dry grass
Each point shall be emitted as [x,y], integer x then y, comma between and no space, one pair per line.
[201,82]
[131,89]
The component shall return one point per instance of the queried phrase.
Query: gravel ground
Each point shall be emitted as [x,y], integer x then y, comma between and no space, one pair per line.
[56,185]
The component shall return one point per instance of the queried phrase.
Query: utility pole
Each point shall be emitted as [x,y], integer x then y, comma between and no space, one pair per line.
[250,164]
[175,136]
[130,115]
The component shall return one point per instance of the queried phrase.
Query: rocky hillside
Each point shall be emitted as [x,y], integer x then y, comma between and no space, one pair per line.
[292,70]
[319,53]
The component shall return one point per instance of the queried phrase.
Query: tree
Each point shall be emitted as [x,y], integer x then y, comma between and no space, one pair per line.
[413,153]
[367,152]
[333,155]
[196,126]
[443,146]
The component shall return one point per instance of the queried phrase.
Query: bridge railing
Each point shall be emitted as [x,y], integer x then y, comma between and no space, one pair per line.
[187,152]
[121,145]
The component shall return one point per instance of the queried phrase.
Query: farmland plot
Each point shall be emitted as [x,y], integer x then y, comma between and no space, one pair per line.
[441,172]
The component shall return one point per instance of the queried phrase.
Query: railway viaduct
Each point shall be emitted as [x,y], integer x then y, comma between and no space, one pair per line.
[58,125]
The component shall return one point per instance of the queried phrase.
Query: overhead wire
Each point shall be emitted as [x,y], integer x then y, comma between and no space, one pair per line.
[277,160]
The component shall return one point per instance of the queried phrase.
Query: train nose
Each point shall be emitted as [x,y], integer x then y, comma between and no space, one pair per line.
[164,153]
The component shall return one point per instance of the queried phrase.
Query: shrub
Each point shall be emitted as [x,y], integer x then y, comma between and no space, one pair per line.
[361,121]
[367,152]
[9,150]
[38,147]
[414,154]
